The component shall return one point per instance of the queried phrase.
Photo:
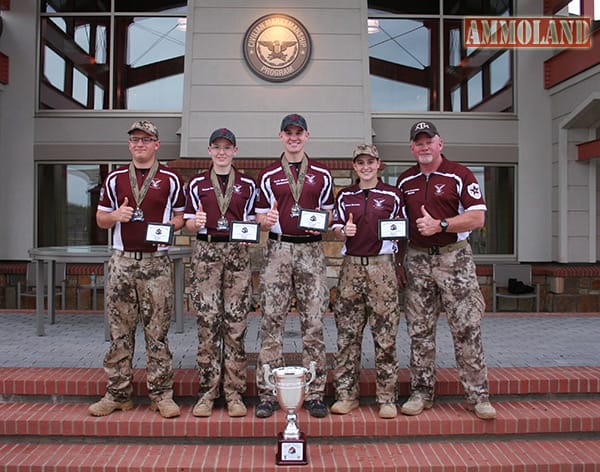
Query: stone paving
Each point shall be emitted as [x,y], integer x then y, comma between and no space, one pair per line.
[510,340]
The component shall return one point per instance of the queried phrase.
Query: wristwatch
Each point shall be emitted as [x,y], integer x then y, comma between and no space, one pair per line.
[444,225]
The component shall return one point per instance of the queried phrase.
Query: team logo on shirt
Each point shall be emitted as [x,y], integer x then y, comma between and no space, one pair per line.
[155,184]
[474,191]
[378,202]
[311,179]
[439,188]
[237,188]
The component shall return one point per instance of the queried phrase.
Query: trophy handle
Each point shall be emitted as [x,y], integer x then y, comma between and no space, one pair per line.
[311,375]
[267,376]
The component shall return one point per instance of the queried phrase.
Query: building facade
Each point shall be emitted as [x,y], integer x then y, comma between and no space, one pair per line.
[79,72]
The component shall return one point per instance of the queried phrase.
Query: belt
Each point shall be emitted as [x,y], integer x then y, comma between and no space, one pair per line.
[139,255]
[213,238]
[437,250]
[285,238]
[366,260]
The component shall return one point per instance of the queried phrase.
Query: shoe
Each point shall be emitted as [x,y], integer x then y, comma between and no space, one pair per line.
[203,407]
[106,406]
[415,405]
[343,407]
[517,287]
[266,408]
[167,408]
[387,410]
[236,408]
[316,408]
[484,410]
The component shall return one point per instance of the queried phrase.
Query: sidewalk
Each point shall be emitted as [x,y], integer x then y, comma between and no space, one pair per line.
[510,340]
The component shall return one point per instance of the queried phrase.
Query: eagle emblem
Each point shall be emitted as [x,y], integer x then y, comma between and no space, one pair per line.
[378,202]
[277,48]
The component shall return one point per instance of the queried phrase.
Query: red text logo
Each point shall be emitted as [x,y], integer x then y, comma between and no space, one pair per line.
[527,32]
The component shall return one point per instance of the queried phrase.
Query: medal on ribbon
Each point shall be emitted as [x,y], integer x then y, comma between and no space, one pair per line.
[140,193]
[222,200]
[295,185]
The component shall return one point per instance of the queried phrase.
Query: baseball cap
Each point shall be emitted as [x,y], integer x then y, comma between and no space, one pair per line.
[366,149]
[222,133]
[145,126]
[426,127]
[293,119]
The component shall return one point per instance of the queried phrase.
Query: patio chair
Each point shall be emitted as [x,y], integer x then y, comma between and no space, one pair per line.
[28,288]
[96,283]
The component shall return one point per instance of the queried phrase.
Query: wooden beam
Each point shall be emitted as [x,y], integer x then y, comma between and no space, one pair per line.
[3,68]
[588,150]
[400,73]
[570,62]
[552,6]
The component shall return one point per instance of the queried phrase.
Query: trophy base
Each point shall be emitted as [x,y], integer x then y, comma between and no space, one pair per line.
[291,451]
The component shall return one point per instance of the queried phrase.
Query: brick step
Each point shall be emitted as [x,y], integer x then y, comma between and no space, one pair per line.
[520,418]
[502,381]
[505,456]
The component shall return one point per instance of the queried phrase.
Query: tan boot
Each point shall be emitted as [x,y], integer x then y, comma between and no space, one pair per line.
[343,407]
[484,410]
[387,411]
[415,405]
[106,406]
[167,408]
[203,407]
[236,408]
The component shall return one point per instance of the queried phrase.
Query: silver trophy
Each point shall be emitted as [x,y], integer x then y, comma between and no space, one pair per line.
[290,384]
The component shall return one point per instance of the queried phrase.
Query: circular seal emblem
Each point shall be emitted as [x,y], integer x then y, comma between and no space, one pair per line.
[277,47]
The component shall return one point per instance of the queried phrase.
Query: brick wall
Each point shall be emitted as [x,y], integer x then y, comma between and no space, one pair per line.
[564,287]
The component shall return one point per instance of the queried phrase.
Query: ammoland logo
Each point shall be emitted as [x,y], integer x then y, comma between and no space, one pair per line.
[277,47]
[527,32]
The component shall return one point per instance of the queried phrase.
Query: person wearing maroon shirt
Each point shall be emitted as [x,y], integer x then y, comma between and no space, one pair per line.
[293,261]
[443,204]
[367,286]
[139,284]
[221,277]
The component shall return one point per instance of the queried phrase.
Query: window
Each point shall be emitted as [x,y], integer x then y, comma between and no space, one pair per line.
[418,62]
[67,199]
[498,185]
[119,54]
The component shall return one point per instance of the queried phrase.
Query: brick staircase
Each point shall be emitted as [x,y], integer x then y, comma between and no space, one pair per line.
[548,420]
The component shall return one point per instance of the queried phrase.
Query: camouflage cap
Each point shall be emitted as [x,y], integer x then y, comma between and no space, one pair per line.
[367,150]
[293,119]
[222,133]
[145,126]
[426,127]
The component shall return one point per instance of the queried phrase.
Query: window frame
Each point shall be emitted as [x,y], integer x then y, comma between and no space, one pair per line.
[114,95]
[440,93]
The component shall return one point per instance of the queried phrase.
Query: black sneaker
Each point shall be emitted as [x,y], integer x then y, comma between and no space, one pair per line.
[265,409]
[316,408]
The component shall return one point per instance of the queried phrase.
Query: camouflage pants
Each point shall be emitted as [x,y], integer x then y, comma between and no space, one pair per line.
[221,288]
[366,293]
[445,281]
[139,291]
[290,267]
